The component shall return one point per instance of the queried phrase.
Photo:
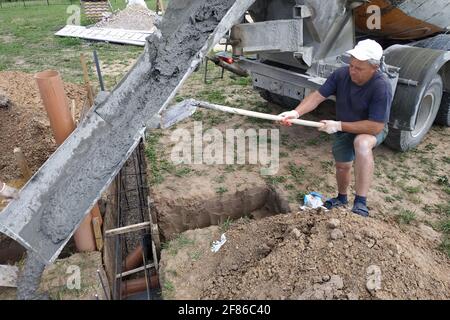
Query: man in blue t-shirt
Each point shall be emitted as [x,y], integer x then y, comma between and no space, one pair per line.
[363,102]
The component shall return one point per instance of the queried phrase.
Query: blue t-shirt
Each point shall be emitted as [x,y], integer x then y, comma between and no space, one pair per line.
[372,101]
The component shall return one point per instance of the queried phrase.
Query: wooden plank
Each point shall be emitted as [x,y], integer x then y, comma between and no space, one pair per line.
[110,220]
[96,225]
[127,229]
[155,256]
[156,238]
[8,276]
[86,80]
[133,271]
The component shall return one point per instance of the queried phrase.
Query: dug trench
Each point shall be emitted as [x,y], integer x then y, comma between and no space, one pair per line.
[181,210]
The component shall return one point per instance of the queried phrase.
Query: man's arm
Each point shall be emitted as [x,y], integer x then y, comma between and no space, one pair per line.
[357,127]
[308,104]
[363,127]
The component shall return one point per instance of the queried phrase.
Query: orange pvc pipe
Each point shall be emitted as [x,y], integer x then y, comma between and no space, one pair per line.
[134,259]
[133,286]
[56,104]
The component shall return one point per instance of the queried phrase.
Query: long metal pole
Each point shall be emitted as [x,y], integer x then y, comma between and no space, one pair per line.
[99,72]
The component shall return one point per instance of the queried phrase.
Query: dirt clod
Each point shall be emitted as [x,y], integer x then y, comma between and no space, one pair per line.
[336,234]
[333,223]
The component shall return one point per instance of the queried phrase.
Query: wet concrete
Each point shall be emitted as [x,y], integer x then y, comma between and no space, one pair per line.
[73,178]
[30,278]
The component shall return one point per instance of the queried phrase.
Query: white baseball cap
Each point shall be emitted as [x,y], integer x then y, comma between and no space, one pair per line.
[366,50]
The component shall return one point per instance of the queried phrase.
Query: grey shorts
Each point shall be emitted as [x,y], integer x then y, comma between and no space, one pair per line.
[343,148]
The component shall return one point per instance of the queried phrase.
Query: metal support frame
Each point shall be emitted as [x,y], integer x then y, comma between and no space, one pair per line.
[132,204]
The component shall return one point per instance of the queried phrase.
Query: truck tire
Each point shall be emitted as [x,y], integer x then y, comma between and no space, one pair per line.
[443,116]
[282,101]
[405,140]
[439,42]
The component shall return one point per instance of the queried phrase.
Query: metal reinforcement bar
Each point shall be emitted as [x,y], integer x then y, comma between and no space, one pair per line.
[56,199]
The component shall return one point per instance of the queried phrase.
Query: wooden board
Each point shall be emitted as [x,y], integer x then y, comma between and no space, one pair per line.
[127,229]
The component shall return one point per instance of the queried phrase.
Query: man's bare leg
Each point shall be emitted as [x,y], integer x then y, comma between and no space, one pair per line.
[343,176]
[364,164]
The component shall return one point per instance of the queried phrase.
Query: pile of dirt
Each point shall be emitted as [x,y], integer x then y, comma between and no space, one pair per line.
[133,17]
[307,255]
[25,124]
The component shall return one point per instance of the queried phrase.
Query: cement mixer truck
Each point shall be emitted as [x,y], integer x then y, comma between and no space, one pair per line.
[290,47]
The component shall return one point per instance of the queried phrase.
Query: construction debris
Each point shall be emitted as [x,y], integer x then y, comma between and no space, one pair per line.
[134,17]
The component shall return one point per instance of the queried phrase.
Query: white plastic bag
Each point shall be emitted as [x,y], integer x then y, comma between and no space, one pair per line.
[312,201]
[218,244]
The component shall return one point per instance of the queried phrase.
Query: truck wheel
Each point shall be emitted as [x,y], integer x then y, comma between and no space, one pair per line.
[439,42]
[282,101]
[443,116]
[429,105]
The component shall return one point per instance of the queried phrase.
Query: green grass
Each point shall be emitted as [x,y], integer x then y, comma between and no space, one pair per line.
[229,168]
[183,172]
[242,81]
[444,227]
[157,165]
[196,255]
[168,289]
[221,190]
[300,196]
[225,226]
[406,217]
[273,180]
[213,96]
[32,45]
[389,199]
[297,172]
[412,190]
[220,179]
[445,246]
[177,244]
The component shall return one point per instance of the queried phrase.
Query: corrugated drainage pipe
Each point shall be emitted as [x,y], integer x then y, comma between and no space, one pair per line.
[56,104]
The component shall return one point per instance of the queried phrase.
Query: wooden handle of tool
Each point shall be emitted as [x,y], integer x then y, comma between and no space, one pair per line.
[259,115]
